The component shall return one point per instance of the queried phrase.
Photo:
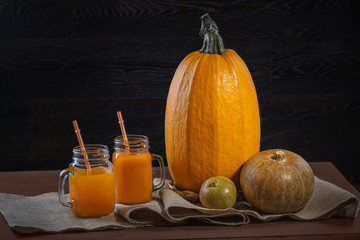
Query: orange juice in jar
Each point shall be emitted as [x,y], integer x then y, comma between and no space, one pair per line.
[133,170]
[92,193]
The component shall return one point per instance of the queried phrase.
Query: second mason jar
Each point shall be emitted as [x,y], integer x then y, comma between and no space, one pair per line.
[133,170]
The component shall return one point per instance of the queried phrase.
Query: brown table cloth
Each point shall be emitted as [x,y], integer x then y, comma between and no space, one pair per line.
[44,213]
[171,210]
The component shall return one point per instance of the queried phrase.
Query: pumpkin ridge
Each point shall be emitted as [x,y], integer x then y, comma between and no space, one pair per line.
[234,73]
[239,61]
[243,80]
[228,59]
[299,176]
[192,121]
[285,185]
[255,167]
[188,150]
[225,79]
[185,67]
[260,183]
[218,118]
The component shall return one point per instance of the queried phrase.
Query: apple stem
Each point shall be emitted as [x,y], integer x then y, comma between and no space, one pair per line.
[213,184]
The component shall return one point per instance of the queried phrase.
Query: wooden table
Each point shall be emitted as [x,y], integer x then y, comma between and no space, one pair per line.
[37,182]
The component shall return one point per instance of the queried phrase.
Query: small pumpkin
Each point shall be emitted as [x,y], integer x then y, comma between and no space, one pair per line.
[277,181]
[212,122]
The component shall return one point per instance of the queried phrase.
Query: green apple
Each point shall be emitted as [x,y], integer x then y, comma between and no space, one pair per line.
[218,193]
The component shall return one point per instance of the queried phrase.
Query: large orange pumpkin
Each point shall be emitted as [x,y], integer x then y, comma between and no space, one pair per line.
[212,122]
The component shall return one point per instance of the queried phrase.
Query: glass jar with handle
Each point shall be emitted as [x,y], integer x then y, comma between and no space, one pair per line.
[133,170]
[92,193]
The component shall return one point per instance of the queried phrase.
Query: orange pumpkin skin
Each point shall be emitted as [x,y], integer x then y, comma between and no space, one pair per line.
[212,122]
[276,183]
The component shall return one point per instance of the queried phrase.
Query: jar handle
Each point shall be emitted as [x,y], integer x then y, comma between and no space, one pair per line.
[61,192]
[162,172]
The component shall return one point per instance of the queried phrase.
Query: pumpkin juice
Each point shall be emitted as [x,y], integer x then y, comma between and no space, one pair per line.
[212,122]
[133,177]
[92,195]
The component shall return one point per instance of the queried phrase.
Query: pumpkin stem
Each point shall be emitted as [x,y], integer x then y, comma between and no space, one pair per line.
[280,156]
[212,43]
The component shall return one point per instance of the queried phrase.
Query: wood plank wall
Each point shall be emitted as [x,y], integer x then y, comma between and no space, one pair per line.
[85,59]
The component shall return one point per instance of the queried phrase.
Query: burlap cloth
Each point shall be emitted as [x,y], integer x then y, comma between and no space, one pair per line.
[44,213]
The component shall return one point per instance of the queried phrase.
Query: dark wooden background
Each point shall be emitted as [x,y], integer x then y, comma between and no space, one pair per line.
[85,59]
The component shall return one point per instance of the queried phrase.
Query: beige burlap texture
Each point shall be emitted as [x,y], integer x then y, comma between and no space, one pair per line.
[44,213]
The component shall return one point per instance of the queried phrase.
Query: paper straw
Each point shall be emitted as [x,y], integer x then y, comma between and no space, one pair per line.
[82,146]
[122,126]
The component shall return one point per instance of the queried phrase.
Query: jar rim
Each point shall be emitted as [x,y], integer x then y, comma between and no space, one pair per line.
[94,152]
[91,148]
[136,144]
[132,137]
